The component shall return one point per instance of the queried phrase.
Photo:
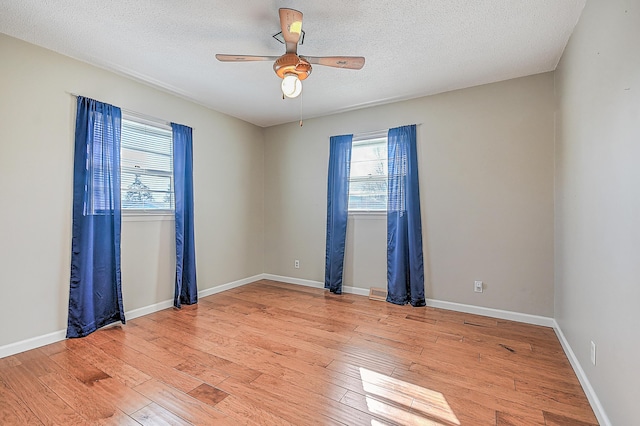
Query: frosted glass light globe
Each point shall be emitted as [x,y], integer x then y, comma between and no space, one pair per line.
[291,85]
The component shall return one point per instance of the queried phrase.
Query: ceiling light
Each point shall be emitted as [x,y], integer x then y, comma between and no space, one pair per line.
[291,85]
[295,27]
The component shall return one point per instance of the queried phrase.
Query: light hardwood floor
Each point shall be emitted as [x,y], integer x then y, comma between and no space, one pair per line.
[277,354]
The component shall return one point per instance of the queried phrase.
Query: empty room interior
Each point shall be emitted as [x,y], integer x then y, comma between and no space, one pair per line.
[525,119]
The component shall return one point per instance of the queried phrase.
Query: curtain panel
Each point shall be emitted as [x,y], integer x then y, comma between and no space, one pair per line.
[405,266]
[95,295]
[186,287]
[337,210]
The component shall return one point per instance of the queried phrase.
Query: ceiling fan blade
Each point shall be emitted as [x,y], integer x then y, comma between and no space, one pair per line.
[349,62]
[244,58]
[291,25]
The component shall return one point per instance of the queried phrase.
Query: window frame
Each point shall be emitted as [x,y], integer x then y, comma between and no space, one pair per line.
[364,139]
[137,214]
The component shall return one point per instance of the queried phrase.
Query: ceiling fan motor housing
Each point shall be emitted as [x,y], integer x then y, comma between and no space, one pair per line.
[292,63]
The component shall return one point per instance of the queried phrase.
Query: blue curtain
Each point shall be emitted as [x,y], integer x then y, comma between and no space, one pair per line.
[95,296]
[337,210]
[405,266]
[186,289]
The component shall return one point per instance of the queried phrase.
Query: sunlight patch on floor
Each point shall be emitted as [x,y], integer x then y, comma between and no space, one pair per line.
[409,404]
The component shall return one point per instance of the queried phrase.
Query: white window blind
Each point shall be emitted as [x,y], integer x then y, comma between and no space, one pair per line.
[98,198]
[146,167]
[368,175]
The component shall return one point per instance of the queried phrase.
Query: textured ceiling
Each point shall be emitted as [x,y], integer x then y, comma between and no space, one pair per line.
[412,47]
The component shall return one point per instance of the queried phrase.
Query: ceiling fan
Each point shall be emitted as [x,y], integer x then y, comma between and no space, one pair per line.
[291,67]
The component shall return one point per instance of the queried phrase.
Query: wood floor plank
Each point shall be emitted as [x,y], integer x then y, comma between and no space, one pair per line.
[202,372]
[208,394]
[388,412]
[38,363]
[78,367]
[466,374]
[12,410]
[118,419]
[505,419]
[270,353]
[553,419]
[283,349]
[122,397]
[309,348]
[211,360]
[299,304]
[312,381]
[423,401]
[131,338]
[181,404]
[395,334]
[353,368]
[570,404]
[8,362]
[448,353]
[318,402]
[54,348]
[155,415]
[296,414]
[114,367]
[461,395]
[514,365]
[42,401]
[381,343]
[519,369]
[245,411]
[99,337]
[151,367]
[78,397]
[451,409]
[292,370]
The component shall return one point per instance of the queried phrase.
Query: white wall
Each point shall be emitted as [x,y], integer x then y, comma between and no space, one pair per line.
[597,294]
[486,176]
[36,178]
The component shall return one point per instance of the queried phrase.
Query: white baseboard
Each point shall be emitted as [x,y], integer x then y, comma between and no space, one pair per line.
[32,343]
[291,280]
[229,286]
[494,313]
[315,284]
[597,407]
[56,336]
[356,290]
[458,307]
[146,310]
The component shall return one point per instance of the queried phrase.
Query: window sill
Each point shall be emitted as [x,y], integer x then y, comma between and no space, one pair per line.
[147,217]
[368,214]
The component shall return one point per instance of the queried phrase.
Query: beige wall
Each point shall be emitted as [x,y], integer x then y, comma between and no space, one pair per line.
[365,254]
[486,176]
[36,159]
[597,294]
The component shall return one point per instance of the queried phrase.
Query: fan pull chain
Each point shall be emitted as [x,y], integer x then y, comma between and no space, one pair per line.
[301,98]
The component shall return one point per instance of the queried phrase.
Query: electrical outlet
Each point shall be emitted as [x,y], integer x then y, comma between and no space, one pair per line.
[477,286]
[593,353]
[296,264]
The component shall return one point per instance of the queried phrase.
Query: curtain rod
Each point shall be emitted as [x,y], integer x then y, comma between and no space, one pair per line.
[371,133]
[138,114]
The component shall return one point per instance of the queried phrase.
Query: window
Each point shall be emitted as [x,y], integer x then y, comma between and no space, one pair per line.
[146,167]
[368,177]
[101,175]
